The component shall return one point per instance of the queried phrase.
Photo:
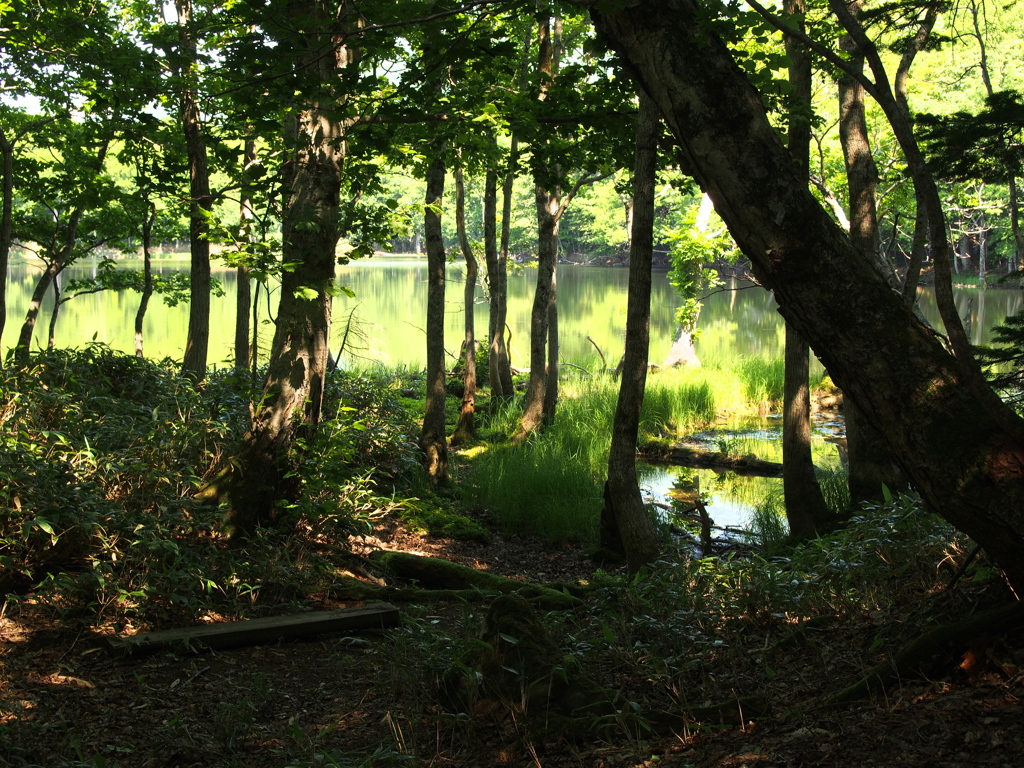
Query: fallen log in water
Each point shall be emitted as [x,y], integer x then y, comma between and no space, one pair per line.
[688,456]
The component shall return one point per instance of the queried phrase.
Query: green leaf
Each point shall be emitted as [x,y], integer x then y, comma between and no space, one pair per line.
[306,293]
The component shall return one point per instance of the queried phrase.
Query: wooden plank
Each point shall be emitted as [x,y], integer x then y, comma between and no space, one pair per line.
[255,631]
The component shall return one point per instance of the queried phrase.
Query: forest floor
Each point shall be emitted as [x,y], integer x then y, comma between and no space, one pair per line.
[365,701]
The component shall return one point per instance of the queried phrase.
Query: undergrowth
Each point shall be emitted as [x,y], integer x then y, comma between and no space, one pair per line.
[99,456]
[688,631]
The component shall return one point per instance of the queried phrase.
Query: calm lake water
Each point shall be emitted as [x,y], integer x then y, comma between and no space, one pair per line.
[389,311]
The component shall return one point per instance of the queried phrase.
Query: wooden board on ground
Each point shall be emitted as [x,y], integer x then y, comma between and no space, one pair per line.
[230,634]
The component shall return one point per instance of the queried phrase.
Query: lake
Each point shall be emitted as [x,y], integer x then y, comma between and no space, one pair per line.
[389,311]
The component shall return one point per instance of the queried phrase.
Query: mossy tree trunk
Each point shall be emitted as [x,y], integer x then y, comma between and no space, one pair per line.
[256,481]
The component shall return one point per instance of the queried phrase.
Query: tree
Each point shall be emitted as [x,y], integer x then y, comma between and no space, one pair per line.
[185,62]
[986,146]
[254,481]
[433,437]
[963,452]
[466,429]
[68,56]
[870,470]
[805,505]
[625,526]
[67,209]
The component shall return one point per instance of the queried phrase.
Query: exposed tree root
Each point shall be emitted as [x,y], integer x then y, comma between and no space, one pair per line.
[920,653]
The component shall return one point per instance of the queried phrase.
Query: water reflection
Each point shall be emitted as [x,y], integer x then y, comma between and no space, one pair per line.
[731,498]
[390,310]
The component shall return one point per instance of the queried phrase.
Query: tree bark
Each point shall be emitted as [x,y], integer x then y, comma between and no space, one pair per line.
[625,525]
[200,203]
[538,408]
[433,438]
[965,456]
[466,428]
[254,482]
[869,465]
[547,248]
[551,374]
[243,297]
[805,505]
[1018,237]
[147,276]
[6,225]
[500,360]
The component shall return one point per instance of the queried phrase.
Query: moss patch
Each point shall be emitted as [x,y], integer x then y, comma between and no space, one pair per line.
[424,517]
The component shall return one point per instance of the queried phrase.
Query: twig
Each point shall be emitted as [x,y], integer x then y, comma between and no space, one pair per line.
[604,365]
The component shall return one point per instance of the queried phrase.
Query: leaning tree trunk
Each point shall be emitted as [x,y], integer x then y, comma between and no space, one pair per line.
[254,483]
[965,456]
[466,428]
[625,526]
[201,203]
[805,505]
[433,440]
[54,266]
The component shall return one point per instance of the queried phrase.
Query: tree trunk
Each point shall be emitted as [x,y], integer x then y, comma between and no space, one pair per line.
[243,297]
[547,246]
[55,264]
[551,374]
[869,467]
[1018,237]
[200,204]
[147,276]
[536,409]
[805,505]
[6,226]
[57,304]
[433,439]
[497,290]
[501,370]
[22,350]
[254,482]
[965,456]
[625,525]
[466,429]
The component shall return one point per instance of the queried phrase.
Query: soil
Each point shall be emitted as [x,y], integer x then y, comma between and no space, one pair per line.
[355,701]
